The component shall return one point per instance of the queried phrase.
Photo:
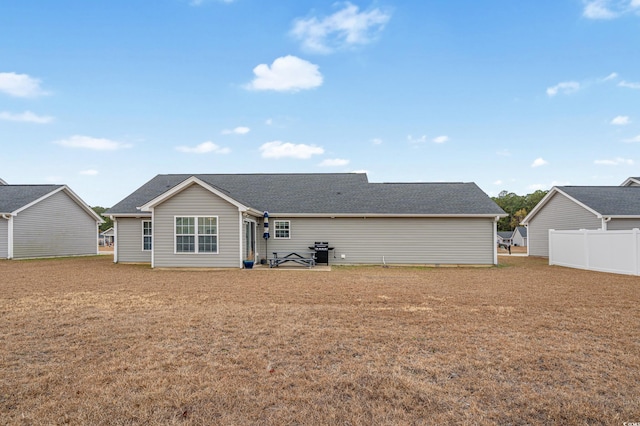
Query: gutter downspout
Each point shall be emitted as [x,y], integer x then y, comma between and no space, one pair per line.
[495,240]
[115,238]
[605,220]
[9,218]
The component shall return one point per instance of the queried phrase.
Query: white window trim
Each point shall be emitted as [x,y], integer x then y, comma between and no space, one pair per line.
[275,230]
[151,235]
[196,235]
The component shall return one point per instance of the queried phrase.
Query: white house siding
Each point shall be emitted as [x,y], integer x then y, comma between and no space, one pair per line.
[622,224]
[399,240]
[56,226]
[4,238]
[519,240]
[558,213]
[129,241]
[197,201]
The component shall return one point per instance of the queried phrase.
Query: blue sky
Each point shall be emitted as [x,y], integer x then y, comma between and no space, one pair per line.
[512,95]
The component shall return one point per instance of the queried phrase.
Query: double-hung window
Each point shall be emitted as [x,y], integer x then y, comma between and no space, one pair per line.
[147,235]
[282,229]
[196,234]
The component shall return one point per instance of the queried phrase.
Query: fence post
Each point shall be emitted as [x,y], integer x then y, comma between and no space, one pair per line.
[636,233]
[550,247]
[586,248]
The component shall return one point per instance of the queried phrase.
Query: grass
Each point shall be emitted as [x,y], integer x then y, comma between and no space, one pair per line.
[84,341]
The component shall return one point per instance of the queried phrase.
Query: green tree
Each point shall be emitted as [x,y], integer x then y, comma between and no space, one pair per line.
[517,207]
[517,217]
[108,223]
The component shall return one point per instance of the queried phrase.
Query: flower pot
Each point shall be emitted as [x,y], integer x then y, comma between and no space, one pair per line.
[248,264]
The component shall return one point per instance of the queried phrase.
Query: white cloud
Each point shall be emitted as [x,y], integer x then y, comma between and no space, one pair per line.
[566,87]
[335,162]
[376,141]
[421,139]
[89,172]
[615,162]
[269,121]
[237,131]
[504,153]
[441,139]
[636,139]
[279,149]
[629,85]
[346,28]
[598,9]
[609,9]
[87,142]
[621,120]
[539,162]
[498,182]
[203,148]
[201,2]
[286,74]
[26,117]
[611,76]
[20,85]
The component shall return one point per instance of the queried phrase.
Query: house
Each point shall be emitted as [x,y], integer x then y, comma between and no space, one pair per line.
[45,221]
[632,181]
[217,220]
[504,238]
[519,236]
[581,207]
[107,237]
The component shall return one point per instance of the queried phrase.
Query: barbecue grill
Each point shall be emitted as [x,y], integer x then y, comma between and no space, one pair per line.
[322,251]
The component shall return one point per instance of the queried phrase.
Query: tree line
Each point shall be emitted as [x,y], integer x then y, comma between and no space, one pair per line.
[517,207]
[108,223]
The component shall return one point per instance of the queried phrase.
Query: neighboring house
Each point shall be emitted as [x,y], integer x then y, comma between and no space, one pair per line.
[45,221]
[213,220]
[2,182]
[632,181]
[504,237]
[519,236]
[581,207]
[107,237]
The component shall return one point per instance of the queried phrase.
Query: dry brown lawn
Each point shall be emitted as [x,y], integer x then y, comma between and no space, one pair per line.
[84,341]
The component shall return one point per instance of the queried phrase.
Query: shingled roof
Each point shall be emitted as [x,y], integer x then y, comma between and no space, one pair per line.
[326,193]
[607,200]
[14,197]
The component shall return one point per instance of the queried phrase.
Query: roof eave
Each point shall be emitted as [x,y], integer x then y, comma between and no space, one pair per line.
[406,215]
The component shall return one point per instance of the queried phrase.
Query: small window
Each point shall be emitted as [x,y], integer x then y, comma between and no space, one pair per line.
[147,235]
[282,228]
[197,234]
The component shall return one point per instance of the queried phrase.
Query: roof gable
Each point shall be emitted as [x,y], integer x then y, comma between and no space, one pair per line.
[631,181]
[186,184]
[16,198]
[602,201]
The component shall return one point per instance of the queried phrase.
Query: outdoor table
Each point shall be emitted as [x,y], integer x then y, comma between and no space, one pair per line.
[306,258]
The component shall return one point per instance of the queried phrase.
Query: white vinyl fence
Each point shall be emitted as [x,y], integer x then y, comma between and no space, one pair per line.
[605,251]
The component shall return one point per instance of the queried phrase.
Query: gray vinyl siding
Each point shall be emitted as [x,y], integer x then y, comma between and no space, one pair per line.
[197,201]
[129,241]
[4,238]
[558,213]
[56,226]
[399,240]
[623,224]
